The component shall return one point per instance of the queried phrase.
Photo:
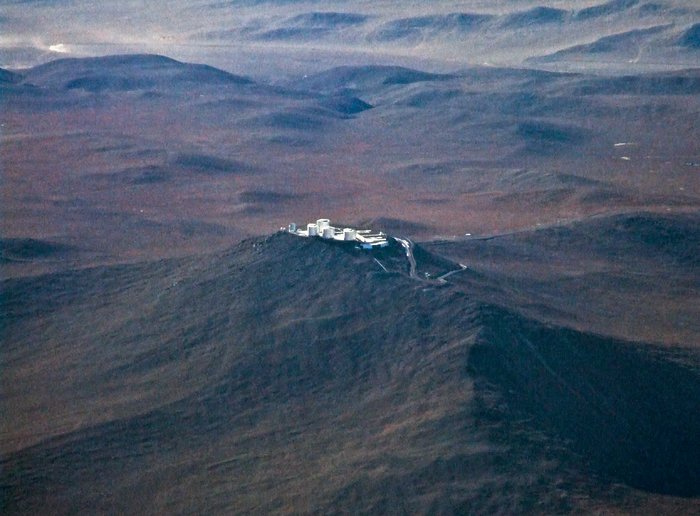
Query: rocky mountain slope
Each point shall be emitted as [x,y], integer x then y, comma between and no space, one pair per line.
[294,375]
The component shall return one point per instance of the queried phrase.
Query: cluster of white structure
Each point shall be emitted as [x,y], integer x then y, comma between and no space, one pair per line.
[365,238]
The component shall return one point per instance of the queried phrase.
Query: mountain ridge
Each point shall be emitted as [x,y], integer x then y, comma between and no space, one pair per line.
[374,365]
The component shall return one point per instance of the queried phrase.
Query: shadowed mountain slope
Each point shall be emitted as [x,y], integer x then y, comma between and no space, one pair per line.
[684,82]
[309,26]
[629,413]
[29,249]
[633,275]
[612,7]
[627,44]
[691,37]
[6,76]
[420,28]
[295,375]
[534,16]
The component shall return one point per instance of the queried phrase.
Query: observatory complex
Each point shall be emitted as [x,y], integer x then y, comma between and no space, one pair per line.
[364,238]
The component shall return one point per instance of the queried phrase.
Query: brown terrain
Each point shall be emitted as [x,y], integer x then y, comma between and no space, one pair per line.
[166,349]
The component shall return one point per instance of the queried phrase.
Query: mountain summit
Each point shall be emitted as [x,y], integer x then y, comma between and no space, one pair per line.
[292,374]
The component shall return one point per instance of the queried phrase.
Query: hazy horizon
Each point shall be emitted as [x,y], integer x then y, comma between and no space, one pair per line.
[269,38]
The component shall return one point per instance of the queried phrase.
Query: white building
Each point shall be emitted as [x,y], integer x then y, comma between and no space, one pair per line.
[365,238]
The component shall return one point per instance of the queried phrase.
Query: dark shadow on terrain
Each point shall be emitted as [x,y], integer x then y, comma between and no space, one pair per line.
[605,9]
[311,120]
[8,77]
[207,164]
[27,249]
[267,196]
[430,264]
[545,137]
[675,83]
[328,19]
[367,78]
[346,105]
[146,175]
[625,43]
[630,412]
[534,16]
[691,37]
[421,27]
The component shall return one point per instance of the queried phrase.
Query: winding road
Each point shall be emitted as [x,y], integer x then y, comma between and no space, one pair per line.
[408,246]
[448,274]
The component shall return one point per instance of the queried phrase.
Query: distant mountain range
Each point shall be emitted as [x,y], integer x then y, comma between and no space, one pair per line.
[616,36]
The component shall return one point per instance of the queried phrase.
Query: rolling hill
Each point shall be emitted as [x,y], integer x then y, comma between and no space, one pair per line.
[125,156]
[126,72]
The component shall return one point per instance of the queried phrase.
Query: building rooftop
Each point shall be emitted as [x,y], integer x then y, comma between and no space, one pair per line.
[365,238]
